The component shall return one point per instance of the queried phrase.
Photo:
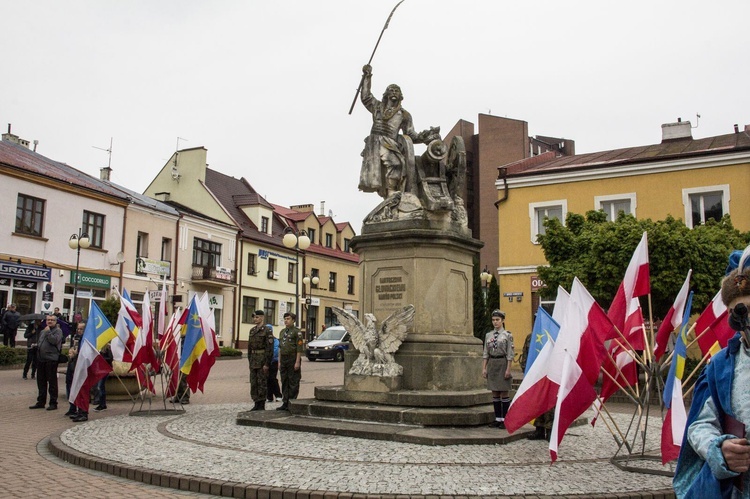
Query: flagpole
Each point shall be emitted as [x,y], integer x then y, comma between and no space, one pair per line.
[700,364]
[621,441]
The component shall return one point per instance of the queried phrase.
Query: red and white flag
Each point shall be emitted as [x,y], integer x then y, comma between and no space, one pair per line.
[169,343]
[625,310]
[127,325]
[712,329]
[143,348]
[198,375]
[673,319]
[564,374]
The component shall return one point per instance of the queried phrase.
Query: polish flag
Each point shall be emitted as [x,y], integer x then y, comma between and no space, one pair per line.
[712,329]
[564,374]
[127,325]
[673,428]
[169,343]
[143,349]
[625,310]
[673,319]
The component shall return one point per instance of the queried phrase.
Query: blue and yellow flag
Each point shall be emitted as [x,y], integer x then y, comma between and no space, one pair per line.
[98,330]
[193,345]
[677,369]
[545,327]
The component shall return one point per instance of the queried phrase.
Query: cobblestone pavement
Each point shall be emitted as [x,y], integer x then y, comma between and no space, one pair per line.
[205,442]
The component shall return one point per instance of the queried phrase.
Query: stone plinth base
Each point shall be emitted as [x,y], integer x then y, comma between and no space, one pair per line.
[380,384]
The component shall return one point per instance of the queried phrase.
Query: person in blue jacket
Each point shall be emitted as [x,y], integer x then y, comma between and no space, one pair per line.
[715,453]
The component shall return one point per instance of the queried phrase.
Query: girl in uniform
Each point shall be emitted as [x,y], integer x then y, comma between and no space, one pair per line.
[496,361]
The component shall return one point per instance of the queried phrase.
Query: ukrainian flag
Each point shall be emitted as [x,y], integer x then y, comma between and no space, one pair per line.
[193,344]
[677,369]
[98,330]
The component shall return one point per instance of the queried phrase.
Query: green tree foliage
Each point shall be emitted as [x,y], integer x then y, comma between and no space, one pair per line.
[110,307]
[598,252]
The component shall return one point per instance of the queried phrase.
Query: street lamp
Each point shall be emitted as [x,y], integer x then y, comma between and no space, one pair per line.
[76,242]
[307,280]
[298,240]
[486,278]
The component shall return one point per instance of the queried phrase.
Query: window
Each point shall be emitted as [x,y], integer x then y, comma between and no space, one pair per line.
[251,264]
[248,307]
[329,241]
[705,203]
[141,251]
[264,225]
[347,242]
[269,308]
[206,253]
[332,281]
[350,285]
[538,212]
[614,204]
[29,215]
[166,249]
[141,245]
[314,273]
[292,272]
[93,225]
[311,235]
[272,265]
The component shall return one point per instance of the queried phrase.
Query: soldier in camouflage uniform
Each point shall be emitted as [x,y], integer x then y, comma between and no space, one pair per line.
[290,360]
[259,355]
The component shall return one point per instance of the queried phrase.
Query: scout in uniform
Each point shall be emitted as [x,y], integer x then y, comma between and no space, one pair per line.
[259,355]
[290,360]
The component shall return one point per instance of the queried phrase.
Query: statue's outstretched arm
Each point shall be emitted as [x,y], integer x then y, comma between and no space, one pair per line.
[366,94]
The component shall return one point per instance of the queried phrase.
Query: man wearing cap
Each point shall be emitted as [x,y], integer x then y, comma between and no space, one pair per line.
[259,355]
[715,454]
[290,360]
[497,357]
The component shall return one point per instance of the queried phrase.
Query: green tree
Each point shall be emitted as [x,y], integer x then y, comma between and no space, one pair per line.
[598,252]
[110,307]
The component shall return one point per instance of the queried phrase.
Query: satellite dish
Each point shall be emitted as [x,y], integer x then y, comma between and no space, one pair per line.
[120,257]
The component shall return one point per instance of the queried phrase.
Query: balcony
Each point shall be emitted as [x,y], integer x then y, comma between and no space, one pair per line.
[214,276]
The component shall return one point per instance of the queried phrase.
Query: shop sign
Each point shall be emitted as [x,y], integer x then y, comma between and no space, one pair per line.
[89,280]
[19,283]
[30,272]
[146,266]
[537,283]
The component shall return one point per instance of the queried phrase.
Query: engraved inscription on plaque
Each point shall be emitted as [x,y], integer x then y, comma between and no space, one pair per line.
[389,291]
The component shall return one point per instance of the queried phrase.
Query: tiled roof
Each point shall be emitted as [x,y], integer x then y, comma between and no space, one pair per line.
[332,252]
[189,211]
[143,200]
[228,190]
[21,158]
[667,150]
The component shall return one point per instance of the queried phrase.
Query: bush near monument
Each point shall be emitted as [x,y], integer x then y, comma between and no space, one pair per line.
[598,252]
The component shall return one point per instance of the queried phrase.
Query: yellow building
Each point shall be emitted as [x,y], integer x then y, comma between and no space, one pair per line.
[690,179]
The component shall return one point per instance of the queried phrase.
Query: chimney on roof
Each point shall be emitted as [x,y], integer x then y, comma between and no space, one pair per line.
[104,173]
[676,131]
[10,137]
[322,208]
[736,128]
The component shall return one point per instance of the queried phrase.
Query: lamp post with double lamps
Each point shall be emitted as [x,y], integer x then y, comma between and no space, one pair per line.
[76,242]
[298,240]
[307,280]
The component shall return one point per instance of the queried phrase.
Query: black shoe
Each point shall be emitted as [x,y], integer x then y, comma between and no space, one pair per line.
[52,407]
[538,434]
[69,413]
[74,415]
[36,406]
[80,418]
[100,408]
[24,377]
[33,376]
[283,407]
[494,424]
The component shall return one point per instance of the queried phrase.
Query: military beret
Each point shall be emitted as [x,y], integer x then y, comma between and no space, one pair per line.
[259,312]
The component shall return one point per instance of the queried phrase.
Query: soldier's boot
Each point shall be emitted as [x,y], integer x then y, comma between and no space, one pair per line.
[539,434]
[255,407]
[262,405]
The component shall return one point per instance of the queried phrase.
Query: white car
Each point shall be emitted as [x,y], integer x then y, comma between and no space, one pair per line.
[330,344]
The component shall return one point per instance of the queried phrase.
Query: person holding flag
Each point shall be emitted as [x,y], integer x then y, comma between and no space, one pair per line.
[90,366]
[715,453]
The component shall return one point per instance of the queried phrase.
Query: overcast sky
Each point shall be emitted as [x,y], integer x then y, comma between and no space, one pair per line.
[266,86]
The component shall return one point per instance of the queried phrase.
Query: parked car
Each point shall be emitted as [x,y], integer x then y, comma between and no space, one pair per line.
[330,344]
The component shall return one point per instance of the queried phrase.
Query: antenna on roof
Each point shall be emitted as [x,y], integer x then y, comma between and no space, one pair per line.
[697,117]
[108,151]
[175,173]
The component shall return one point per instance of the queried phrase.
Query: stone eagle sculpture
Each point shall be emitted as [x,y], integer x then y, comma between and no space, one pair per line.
[377,345]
